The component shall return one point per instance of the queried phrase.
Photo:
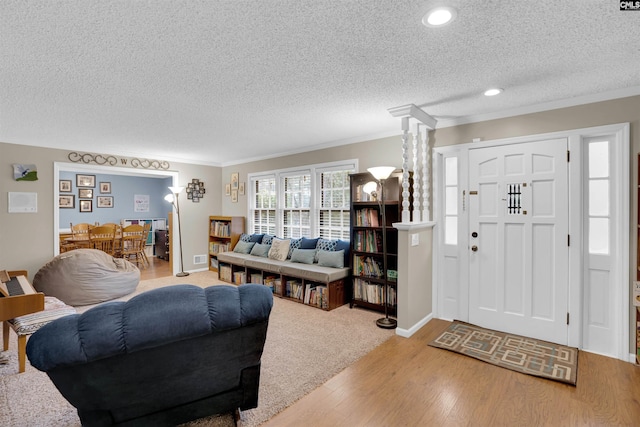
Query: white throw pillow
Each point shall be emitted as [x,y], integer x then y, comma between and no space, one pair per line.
[279,249]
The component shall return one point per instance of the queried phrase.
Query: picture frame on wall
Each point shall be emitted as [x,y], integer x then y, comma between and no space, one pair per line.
[235,180]
[227,190]
[85,180]
[105,188]
[85,193]
[105,201]
[64,186]
[241,189]
[234,196]
[86,205]
[67,201]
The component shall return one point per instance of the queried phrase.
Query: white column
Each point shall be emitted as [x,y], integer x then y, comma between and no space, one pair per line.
[426,175]
[406,214]
[416,176]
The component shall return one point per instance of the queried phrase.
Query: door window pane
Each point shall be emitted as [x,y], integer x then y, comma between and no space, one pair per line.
[599,235]
[599,197]
[599,159]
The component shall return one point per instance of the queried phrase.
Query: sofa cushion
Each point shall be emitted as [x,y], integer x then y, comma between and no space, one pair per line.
[279,249]
[333,259]
[243,247]
[345,246]
[314,272]
[266,264]
[260,249]
[304,256]
[235,258]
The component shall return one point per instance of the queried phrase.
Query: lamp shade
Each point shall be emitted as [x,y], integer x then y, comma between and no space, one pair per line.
[381,172]
[169,198]
[370,187]
[176,190]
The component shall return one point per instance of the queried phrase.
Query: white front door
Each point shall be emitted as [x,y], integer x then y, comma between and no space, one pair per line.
[518,225]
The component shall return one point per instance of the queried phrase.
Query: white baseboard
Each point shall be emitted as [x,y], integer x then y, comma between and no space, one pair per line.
[406,333]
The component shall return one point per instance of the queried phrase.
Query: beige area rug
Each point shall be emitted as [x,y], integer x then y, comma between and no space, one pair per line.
[305,347]
[526,355]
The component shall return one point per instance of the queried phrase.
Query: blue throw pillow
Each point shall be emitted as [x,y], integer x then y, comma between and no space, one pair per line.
[295,244]
[304,256]
[256,238]
[260,249]
[344,245]
[267,239]
[243,247]
[308,243]
[333,259]
[245,237]
[325,245]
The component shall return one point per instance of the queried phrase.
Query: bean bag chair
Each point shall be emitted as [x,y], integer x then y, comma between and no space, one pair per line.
[86,276]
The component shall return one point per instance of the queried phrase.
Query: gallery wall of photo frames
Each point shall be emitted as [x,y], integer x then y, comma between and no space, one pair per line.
[86,185]
[234,188]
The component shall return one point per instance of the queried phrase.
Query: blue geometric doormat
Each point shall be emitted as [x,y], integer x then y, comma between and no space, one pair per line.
[526,355]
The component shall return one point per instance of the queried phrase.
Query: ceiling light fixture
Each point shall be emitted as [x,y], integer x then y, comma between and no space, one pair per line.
[492,92]
[439,16]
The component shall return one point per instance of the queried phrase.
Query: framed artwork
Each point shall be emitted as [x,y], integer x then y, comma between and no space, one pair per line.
[234,196]
[85,181]
[227,190]
[105,187]
[86,205]
[195,190]
[67,201]
[235,180]
[65,186]
[85,193]
[105,201]
[241,189]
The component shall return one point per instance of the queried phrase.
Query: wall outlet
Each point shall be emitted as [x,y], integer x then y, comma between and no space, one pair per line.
[199,259]
[415,239]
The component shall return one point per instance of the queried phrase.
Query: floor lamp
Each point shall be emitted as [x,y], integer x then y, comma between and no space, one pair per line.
[381,173]
[173,199]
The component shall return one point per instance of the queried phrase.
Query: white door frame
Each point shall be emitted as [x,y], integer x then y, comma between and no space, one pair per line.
[108,170]
[443,309]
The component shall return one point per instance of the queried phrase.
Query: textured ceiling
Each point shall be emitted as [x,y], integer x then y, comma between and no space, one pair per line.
[220,82]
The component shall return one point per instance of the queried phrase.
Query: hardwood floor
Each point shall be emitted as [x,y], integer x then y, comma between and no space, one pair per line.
[158,268]
[404,382]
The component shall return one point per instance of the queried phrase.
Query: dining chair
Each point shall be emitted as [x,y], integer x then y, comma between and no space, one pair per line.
[116,243]
[133,244]
[80,235]
[103,238]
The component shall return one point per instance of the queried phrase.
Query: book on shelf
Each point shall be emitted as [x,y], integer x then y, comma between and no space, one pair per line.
[218,247]
[367,266]
[214,263]
[220,229]
[367,241]
[270,281]
[373,293]
[316,295]
[239,277]
[225,272]
[367,217]
[256,278]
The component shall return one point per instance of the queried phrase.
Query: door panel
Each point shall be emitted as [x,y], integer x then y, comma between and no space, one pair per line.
[518,270]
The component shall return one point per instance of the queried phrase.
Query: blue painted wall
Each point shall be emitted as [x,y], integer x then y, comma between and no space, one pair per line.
[123,189]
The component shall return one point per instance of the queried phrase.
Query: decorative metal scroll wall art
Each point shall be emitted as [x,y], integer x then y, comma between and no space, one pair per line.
[99,159]
[195,190]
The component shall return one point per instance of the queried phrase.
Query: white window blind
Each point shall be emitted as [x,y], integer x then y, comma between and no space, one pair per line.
[296,211]
[264,205]
[333,210]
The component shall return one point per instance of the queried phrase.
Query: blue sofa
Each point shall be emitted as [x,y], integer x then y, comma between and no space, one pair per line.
[164,357]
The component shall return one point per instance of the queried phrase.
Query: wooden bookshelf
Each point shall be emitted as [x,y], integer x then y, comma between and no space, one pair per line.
[367,257]
[224,233]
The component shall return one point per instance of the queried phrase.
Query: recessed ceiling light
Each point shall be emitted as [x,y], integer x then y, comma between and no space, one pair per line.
[492,92]
[439,16]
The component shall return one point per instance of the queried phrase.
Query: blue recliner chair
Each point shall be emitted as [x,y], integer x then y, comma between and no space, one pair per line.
[164,357]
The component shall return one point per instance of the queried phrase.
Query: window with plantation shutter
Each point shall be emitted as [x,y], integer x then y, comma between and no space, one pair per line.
[333,206]
[264,205]
[310,201]
[296,211]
